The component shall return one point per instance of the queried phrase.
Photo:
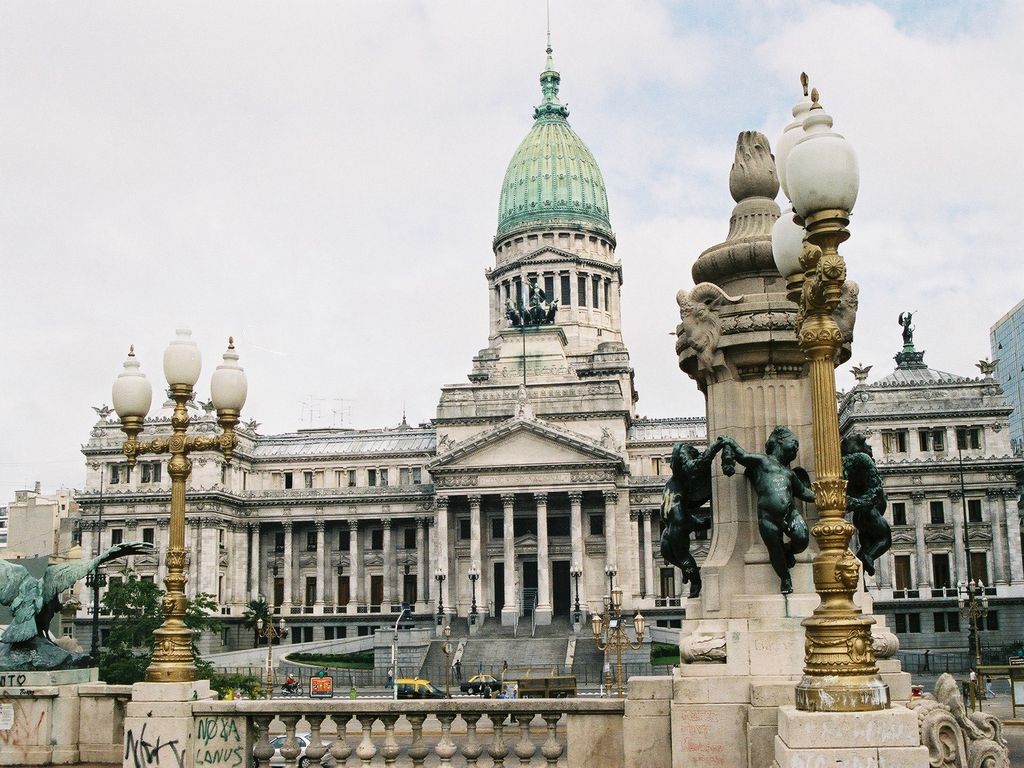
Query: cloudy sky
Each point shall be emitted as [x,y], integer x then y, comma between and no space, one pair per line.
[321,180]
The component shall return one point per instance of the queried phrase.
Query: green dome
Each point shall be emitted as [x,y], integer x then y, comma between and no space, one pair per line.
[552,177]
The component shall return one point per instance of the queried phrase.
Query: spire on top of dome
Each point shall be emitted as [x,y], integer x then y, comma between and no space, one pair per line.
[549,79]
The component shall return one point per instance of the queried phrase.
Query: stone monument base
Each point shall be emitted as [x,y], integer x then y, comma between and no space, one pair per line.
[887,737]
[39,716]
[159,727]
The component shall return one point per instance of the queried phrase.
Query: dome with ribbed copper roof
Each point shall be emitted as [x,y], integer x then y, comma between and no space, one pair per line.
[552,178]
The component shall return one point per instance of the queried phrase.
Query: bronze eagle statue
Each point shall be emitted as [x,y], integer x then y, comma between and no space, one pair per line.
[34,602]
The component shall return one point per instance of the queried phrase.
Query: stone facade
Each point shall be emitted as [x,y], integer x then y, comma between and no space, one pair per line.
[942,447]
[535,468]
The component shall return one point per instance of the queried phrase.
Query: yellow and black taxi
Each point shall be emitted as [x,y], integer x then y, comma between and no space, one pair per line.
[417,688]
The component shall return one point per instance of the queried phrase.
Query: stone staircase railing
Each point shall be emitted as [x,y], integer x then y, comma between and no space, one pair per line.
[553,732]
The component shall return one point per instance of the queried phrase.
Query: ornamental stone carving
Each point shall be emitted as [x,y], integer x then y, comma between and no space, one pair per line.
[703,648]
[700,327]
[592,476]
[955,737]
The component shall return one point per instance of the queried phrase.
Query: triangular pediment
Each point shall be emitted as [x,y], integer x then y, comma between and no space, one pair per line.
[524,442]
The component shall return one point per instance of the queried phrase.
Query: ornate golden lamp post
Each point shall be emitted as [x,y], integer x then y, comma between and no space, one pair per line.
[446,649]
[270,633]
[172,651]
[973,604]
[818,171]
[610,633]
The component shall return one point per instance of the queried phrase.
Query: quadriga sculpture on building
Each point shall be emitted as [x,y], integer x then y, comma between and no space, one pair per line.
[25,644]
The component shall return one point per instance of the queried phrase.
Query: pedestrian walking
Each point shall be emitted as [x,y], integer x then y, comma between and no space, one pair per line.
[458,670]
[989,693]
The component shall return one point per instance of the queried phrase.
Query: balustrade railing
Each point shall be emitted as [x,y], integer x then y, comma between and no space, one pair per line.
[454,732]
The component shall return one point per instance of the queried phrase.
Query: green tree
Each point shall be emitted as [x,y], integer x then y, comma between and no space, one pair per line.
[135,611]
[256,610]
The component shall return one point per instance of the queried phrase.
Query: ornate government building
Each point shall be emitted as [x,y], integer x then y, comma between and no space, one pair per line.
[536,472]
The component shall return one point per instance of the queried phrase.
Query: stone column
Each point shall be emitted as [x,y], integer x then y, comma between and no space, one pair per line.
[648,555]
[209,564]
[289,574]
[442,552]
[1011,513]
[920,548]
[543,561]
[474,532]
[611,508]
[577,542]
[511,609]
[958,536]
[388,567]
[193,556]
[995,511]
[161,550]
[884,571]
[321,559]
[255,588]
[355,573]
[422,559]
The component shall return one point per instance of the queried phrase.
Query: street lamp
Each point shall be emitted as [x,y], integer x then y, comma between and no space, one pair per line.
[172,657]
[394,652]
[821,179]
[270,633]
[474,576]
[610,632]
[973,604]
[96,580]
[440,576]
[447,650]
[576,573]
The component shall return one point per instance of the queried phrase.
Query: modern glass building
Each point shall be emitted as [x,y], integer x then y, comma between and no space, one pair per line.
[1007,338]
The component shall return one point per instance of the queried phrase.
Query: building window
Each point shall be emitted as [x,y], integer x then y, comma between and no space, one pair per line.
[351,478]
[947,621]
[938,514]
[151,471]
[409,533]
[940,570]
[597,524]
[311,541]
[595,291]
[901,567]
[974,510]
[549,286]
[968,437]
[148,536]
[524,526]
[383,474]
[344,539]
[404,476]
[558,525]
[895,442]
[668,582]
[899,513]
[371,477]
[464,528]
[287,480]
[932,439]
[377,538]
[498,528]
[146,579]
[116,536]
[991,621]
[566,298]
[310,590]
[606,284]
[279,541]
[581,290]
[120,473]
[656,465]
[979,566]
[517,283]
[908,622]
[307,479]
[417,476]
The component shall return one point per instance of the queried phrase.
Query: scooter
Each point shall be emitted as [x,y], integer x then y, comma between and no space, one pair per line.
[291,689]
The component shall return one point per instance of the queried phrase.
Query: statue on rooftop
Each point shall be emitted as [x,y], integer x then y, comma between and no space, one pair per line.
[778,486]
[25,645]
[683,510]
[865,500]
[908,330]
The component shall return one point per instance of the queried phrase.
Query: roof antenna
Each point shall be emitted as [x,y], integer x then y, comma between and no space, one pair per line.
[547,7]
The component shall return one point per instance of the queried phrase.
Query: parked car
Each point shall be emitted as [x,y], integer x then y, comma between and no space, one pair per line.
[303,762]
[417,688]
[482,685]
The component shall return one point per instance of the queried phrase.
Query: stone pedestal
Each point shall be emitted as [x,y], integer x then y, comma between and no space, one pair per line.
[42,711]
[544,616]
[888,737]
[159,726]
